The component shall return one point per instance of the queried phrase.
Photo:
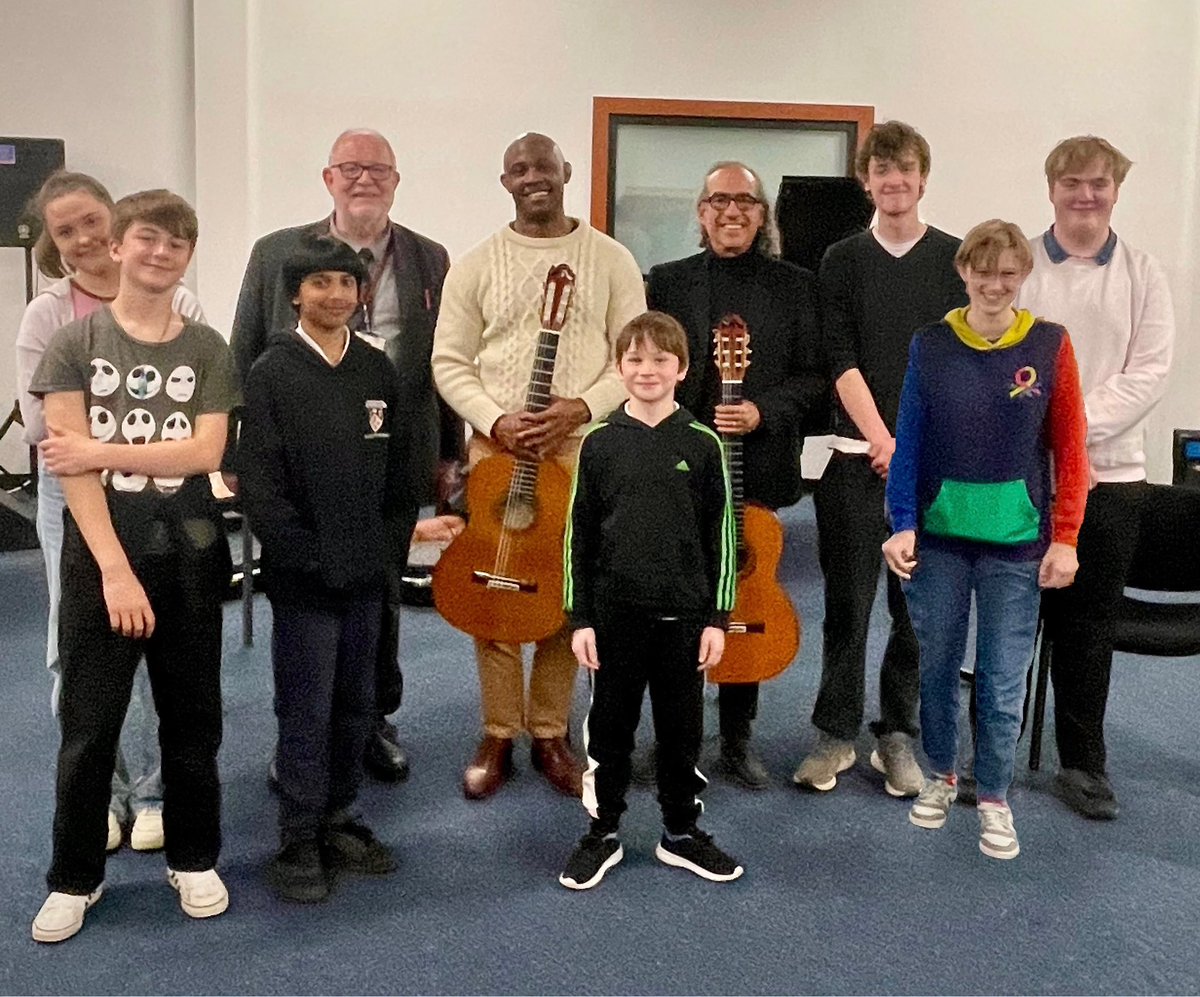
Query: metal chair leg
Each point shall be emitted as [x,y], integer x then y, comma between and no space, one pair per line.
[1039,700]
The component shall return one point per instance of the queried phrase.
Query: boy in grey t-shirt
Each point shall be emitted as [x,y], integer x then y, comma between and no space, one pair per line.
[137,400]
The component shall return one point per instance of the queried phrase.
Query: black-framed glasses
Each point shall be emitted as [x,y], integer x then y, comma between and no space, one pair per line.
[352,171]
[719,201]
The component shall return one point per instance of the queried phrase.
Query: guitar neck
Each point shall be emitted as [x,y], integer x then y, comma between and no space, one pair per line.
[537,397]
[731,394]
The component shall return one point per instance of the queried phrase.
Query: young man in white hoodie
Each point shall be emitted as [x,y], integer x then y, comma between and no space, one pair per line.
[1115,302]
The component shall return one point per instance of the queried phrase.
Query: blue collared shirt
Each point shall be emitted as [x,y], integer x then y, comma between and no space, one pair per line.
[1057,254]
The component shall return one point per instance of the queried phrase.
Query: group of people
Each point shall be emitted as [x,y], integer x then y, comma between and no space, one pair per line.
[969,442]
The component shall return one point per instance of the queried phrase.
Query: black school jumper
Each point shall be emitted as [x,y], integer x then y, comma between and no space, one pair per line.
[323,480]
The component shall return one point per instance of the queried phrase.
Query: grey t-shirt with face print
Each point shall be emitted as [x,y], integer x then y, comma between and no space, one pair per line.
[138,392]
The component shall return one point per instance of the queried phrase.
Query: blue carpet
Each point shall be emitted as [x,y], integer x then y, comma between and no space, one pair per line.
[841,893]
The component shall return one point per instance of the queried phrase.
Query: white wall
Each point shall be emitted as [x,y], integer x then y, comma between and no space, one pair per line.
[115,81]
[992,86]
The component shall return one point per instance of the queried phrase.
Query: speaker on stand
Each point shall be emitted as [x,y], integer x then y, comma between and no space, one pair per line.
[25,163]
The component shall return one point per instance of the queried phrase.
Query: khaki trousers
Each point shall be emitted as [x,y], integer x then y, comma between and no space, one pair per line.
[507,708]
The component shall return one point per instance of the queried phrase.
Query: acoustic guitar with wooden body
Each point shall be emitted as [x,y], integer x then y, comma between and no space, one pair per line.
[502,577]
[763,634]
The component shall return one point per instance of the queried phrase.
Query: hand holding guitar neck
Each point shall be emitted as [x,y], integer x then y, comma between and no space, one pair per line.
[501,579]
[536,432]
[764,630]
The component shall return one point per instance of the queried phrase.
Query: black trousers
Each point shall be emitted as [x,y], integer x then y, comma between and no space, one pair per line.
[1079,621]
[850,530]
[183,659]
[737,706]
[325,704]
[636,651]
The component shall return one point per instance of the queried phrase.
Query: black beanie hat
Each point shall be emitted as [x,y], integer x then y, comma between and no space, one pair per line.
[318,253]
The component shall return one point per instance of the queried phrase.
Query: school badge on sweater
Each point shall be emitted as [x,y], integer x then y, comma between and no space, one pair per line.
[375,410]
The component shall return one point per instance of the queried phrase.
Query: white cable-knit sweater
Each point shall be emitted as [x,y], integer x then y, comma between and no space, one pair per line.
[490,318]
[1123,329]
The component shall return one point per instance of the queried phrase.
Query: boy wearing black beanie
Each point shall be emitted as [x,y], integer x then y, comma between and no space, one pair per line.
[322,482]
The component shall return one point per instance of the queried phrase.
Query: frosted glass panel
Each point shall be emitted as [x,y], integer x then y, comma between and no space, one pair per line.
[659,169]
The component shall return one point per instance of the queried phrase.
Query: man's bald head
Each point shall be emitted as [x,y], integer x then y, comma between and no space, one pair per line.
[361,139]
[535,173]
[532,143]
[361,201]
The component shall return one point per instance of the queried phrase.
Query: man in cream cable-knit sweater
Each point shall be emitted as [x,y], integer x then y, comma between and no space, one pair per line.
[483,354]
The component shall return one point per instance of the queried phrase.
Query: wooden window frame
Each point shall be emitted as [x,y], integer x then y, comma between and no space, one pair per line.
[609,112]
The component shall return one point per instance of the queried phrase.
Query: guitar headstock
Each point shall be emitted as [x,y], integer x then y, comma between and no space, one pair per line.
[557,294]
[731,347]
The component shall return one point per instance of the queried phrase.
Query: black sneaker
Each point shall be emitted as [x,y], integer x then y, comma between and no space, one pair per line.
[697,853]
[297,874]
[593,857]
[741,766]
[351,846]
[1089,795]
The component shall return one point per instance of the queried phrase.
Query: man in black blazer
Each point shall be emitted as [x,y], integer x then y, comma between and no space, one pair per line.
[739,272]
[398,314]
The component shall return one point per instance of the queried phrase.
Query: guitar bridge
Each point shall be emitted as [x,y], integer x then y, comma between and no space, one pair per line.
[502,582]
[743,627]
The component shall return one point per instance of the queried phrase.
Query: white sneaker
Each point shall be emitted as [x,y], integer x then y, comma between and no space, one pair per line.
[997,836]
[61,915]
[931,808]
[201,894]
[114,833]
[147,832]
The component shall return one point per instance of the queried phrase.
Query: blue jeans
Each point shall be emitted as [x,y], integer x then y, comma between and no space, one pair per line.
[137,777]
[1007,598]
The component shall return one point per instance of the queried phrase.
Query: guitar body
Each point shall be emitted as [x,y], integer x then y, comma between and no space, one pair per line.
[764,630]
[515,594]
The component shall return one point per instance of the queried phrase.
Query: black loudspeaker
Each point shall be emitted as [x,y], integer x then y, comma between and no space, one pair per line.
[25,163]
[815,212]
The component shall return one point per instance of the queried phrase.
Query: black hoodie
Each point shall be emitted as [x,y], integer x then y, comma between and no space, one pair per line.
[322,472]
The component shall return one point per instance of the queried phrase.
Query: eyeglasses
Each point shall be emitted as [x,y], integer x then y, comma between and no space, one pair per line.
[352,171]
[719,202]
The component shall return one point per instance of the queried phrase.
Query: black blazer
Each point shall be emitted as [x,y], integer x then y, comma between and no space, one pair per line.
[785,378]
[265,310]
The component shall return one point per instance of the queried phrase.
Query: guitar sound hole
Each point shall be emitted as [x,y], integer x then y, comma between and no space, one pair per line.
[746,560]
[518,514]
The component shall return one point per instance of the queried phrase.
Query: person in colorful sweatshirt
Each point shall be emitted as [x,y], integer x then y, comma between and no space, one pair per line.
[649,573]
[986,494]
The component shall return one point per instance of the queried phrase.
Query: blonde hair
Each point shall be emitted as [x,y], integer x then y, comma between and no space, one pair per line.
[983,245]
[1078,153]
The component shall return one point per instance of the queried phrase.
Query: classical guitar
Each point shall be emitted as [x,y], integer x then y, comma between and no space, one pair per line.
[763,635]
[501,578]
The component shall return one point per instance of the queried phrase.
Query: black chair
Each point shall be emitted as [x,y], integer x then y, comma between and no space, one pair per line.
[1167,559]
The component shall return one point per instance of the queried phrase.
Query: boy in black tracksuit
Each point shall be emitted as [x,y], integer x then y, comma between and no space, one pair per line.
[649,575]
[322,478]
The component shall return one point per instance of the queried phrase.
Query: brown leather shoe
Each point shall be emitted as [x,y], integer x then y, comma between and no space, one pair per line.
[552,756]
[489,769]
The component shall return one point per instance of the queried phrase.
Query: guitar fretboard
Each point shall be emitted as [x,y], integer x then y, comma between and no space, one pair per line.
[537,399]
[731,394]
